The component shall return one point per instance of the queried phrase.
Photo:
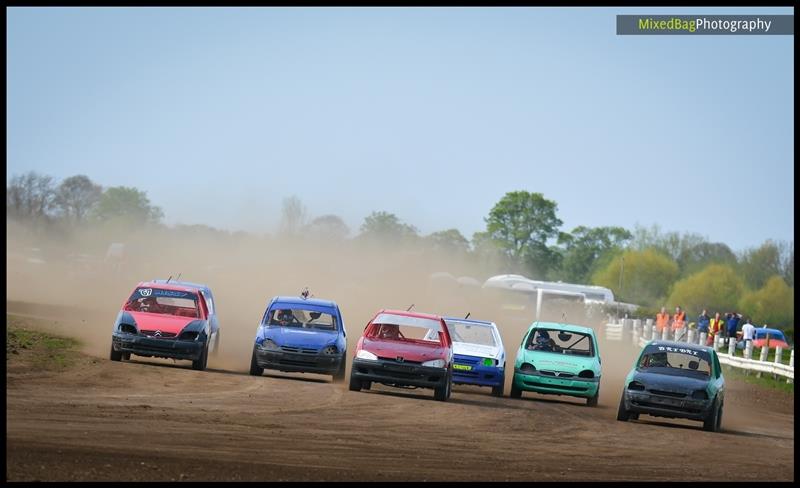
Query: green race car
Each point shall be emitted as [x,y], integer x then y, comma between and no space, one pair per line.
[558,359]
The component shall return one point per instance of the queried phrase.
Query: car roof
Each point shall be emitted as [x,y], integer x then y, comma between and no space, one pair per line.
[166,286]
[469,321]
[303,301]
[420,315]
[187,284]
[562,326]
[679,345]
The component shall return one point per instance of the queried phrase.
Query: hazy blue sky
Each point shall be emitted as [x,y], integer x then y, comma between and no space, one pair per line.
[432,114]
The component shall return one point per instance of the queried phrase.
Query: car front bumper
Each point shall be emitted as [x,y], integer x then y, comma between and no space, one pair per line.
[292,362]
[154,347]
[572,386]
[399,374]
[469,371]
[661,406]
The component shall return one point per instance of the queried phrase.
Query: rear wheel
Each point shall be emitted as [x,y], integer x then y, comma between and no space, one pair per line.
[255,370]
[115,355]
[201,363]
[592,401]
[515,392]
[622,413]
[355,383]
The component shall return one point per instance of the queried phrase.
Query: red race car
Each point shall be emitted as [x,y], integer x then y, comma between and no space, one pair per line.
[393,351]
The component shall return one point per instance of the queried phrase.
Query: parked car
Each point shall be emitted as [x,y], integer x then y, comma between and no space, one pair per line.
[405,350]
[175,320]
[479,357]
[558,359]
[776,339]
[302,335]
[675,380]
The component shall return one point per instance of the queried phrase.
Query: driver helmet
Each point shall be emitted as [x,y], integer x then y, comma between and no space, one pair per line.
[543,337]
[285,315]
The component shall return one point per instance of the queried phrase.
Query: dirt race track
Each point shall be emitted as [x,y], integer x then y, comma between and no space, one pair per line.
[150,419]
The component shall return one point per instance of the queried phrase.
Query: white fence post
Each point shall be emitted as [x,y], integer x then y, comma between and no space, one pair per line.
[762,356]
[690,336]
[732,346]
[778,359]
[665,334]
[635,335]
[791,365]
[703,339]
[716,342]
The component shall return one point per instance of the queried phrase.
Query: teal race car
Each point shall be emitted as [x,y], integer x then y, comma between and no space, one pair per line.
[558,359]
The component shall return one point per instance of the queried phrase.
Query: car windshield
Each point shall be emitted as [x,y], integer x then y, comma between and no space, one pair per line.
[301,318]
[470,333]
[560,342]
[678,360]
[389,327]
[165,302]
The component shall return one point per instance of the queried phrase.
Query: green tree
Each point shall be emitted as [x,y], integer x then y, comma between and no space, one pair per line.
[584,247]
[698,256]
[773,304]
[522,223]
[673,244]
[716,288]
[385,227]
[126,205]
[449,241]
[30,196]
[328,227]
[76,196]
[646,276]
[757,265]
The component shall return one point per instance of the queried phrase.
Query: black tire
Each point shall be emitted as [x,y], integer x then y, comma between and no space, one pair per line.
[255,370]
[355,383]
[498,390]
[712,421]
[515,392]
[622,414]
[592,401]
[338,376]
[442,393]
[115,355]
[366,385]
[201,363]
[126,356]
[633,415]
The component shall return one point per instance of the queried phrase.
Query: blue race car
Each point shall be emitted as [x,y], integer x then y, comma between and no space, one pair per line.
[298,334]
[478,354]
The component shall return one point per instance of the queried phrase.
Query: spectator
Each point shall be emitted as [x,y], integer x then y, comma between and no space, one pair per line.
[662,319]
[679,323]
[748,332]
[731,324]
[703,322]
[714,328]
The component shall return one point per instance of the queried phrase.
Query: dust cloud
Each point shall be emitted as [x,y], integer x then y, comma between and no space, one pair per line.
[70,275]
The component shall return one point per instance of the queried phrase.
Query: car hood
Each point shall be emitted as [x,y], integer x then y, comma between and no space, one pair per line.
[479,350]
[409,351]
[162,322]
[668,382]
[297,337]
[559,362]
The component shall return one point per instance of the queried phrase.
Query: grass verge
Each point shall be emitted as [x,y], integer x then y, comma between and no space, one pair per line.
[43,350]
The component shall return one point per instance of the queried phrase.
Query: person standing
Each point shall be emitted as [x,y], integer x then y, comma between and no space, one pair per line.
[714,328]
[731,324]
[748,332]
[703,320]
[678,323]
[662,320]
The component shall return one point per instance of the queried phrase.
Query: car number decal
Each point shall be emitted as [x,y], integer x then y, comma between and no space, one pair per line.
[462,366]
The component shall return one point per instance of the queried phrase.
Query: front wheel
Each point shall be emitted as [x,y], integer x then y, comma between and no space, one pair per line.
[115,355]
[622,413]
[126,356]
[355,383]
[498,390]
[255,370]
[442,393]
[215,351]
[515,392]
[201,363]
[338,376]
[712,421]
[592,401]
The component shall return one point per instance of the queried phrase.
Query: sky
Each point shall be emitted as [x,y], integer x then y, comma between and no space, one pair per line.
[432,114]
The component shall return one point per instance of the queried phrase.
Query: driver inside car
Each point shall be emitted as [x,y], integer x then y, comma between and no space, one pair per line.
[389,331]
[284,317]
[543,342]
[657,360]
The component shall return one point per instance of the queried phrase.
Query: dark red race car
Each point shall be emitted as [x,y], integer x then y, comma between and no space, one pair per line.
[394,351]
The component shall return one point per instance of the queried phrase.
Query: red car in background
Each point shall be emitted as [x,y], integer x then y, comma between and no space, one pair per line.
[393,351]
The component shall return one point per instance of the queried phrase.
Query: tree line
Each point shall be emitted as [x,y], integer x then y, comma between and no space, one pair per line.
[523,235]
